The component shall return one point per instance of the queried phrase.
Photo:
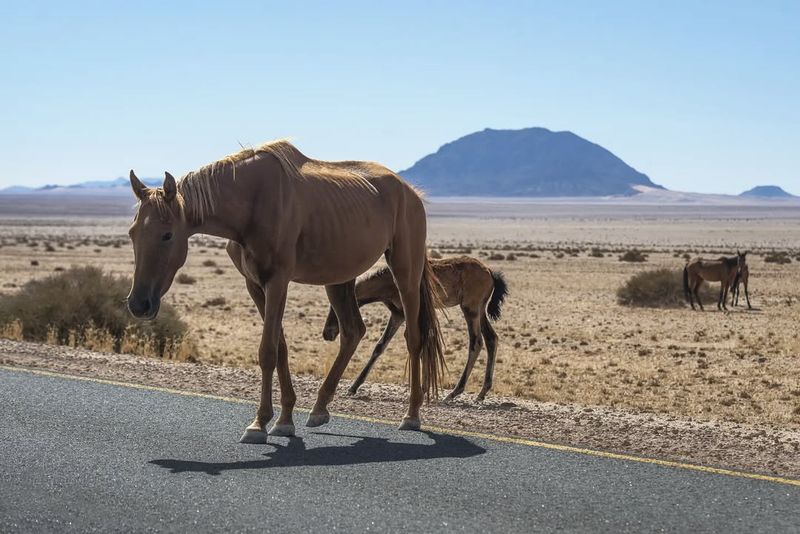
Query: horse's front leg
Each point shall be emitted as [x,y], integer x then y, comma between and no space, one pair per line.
[268,353]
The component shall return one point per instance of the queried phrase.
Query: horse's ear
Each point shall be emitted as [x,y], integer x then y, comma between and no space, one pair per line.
[170,187]
[139,189]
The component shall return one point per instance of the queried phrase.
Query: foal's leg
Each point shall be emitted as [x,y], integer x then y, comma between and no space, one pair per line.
[490,337]
[284,425]
[475,346]
[747,294]
[275,302]
[720,303]
[351,330]
[394,323]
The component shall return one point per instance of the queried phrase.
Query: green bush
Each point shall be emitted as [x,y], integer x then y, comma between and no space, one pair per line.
[72,306]
[660,288]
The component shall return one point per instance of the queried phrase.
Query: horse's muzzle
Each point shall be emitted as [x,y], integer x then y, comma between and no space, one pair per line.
[143,308]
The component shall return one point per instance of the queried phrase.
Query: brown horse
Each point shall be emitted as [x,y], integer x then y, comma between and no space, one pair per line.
[466,282]
[741,278]
[291,218]
[723,270]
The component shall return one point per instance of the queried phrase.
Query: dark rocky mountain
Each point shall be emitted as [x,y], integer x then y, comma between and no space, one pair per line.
[533,162]
[766,191]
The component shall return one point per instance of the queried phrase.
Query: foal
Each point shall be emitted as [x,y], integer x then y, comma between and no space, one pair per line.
[743,278]
[466,282]
[722,270]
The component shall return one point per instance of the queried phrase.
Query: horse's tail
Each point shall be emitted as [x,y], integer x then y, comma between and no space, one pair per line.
[433,363]
[686,282]
[498,295]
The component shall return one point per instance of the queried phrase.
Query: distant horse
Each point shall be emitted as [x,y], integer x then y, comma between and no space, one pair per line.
[466,282]
[290,218]
[740,278]
[722,270]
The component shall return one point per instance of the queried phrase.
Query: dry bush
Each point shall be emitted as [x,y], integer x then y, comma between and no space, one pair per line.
[82,306]
[633,255]
[661,288]
[184,278]
[209,263]
[781,258]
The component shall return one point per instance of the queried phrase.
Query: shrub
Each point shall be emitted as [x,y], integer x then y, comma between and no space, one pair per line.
[661,288]
[780,258]
[633,255]
[597,253]
[209,263]
[184,278]
[496,256]
[216,301]
[83,306]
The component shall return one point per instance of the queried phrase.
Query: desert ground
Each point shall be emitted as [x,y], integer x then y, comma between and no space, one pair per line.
[563,337]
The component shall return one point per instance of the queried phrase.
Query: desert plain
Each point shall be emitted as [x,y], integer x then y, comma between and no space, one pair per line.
[564,338]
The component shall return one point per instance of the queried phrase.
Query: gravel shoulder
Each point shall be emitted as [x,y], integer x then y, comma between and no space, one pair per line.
[754,448]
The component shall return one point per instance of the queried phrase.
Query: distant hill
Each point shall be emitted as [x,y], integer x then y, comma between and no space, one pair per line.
[766,191]
[118,186]
[533,162]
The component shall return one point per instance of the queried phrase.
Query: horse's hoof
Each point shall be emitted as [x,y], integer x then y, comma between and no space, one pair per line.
[451,396]
[351,392]
[286,430]
[253,435]
[409,424]
[317,419]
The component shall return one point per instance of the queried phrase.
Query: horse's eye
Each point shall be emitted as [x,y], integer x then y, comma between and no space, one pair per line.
[166,237]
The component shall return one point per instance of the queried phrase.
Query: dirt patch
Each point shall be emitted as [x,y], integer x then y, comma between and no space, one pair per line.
[750,447]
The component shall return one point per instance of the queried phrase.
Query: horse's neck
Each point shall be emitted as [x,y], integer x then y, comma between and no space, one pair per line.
[228,218]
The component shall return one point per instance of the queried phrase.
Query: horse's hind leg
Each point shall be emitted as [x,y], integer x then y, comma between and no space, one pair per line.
[490,337]
[696,292]
[407,271]
[394,323]
[475,346]
[343,300]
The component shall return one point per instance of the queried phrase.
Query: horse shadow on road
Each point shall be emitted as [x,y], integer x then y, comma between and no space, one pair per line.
[365,450]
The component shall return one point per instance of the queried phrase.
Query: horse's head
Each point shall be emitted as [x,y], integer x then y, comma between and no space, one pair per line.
[331,329]
[160,239]
[741,260]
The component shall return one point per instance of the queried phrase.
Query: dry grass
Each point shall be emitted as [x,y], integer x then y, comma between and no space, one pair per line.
[83,307]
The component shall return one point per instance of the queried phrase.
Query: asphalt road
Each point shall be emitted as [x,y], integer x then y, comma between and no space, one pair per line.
[81,456]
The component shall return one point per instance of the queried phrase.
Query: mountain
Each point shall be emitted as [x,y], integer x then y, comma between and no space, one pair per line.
[118,186]
[766,191]
[533,162]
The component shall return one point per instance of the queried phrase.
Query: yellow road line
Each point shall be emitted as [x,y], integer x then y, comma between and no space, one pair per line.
[442,430]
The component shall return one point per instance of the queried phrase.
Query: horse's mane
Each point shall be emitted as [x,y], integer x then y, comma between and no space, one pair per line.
[199,188]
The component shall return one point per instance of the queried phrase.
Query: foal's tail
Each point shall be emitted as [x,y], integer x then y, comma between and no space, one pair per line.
[433,364]
[686,283]
[498,295]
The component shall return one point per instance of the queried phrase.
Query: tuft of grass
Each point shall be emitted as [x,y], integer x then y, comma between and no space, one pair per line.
[633,255]
[184,278]
[660,288]
[83,306]
[216,301]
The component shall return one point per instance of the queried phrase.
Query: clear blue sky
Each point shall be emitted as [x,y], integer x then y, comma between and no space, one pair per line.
[701,96]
